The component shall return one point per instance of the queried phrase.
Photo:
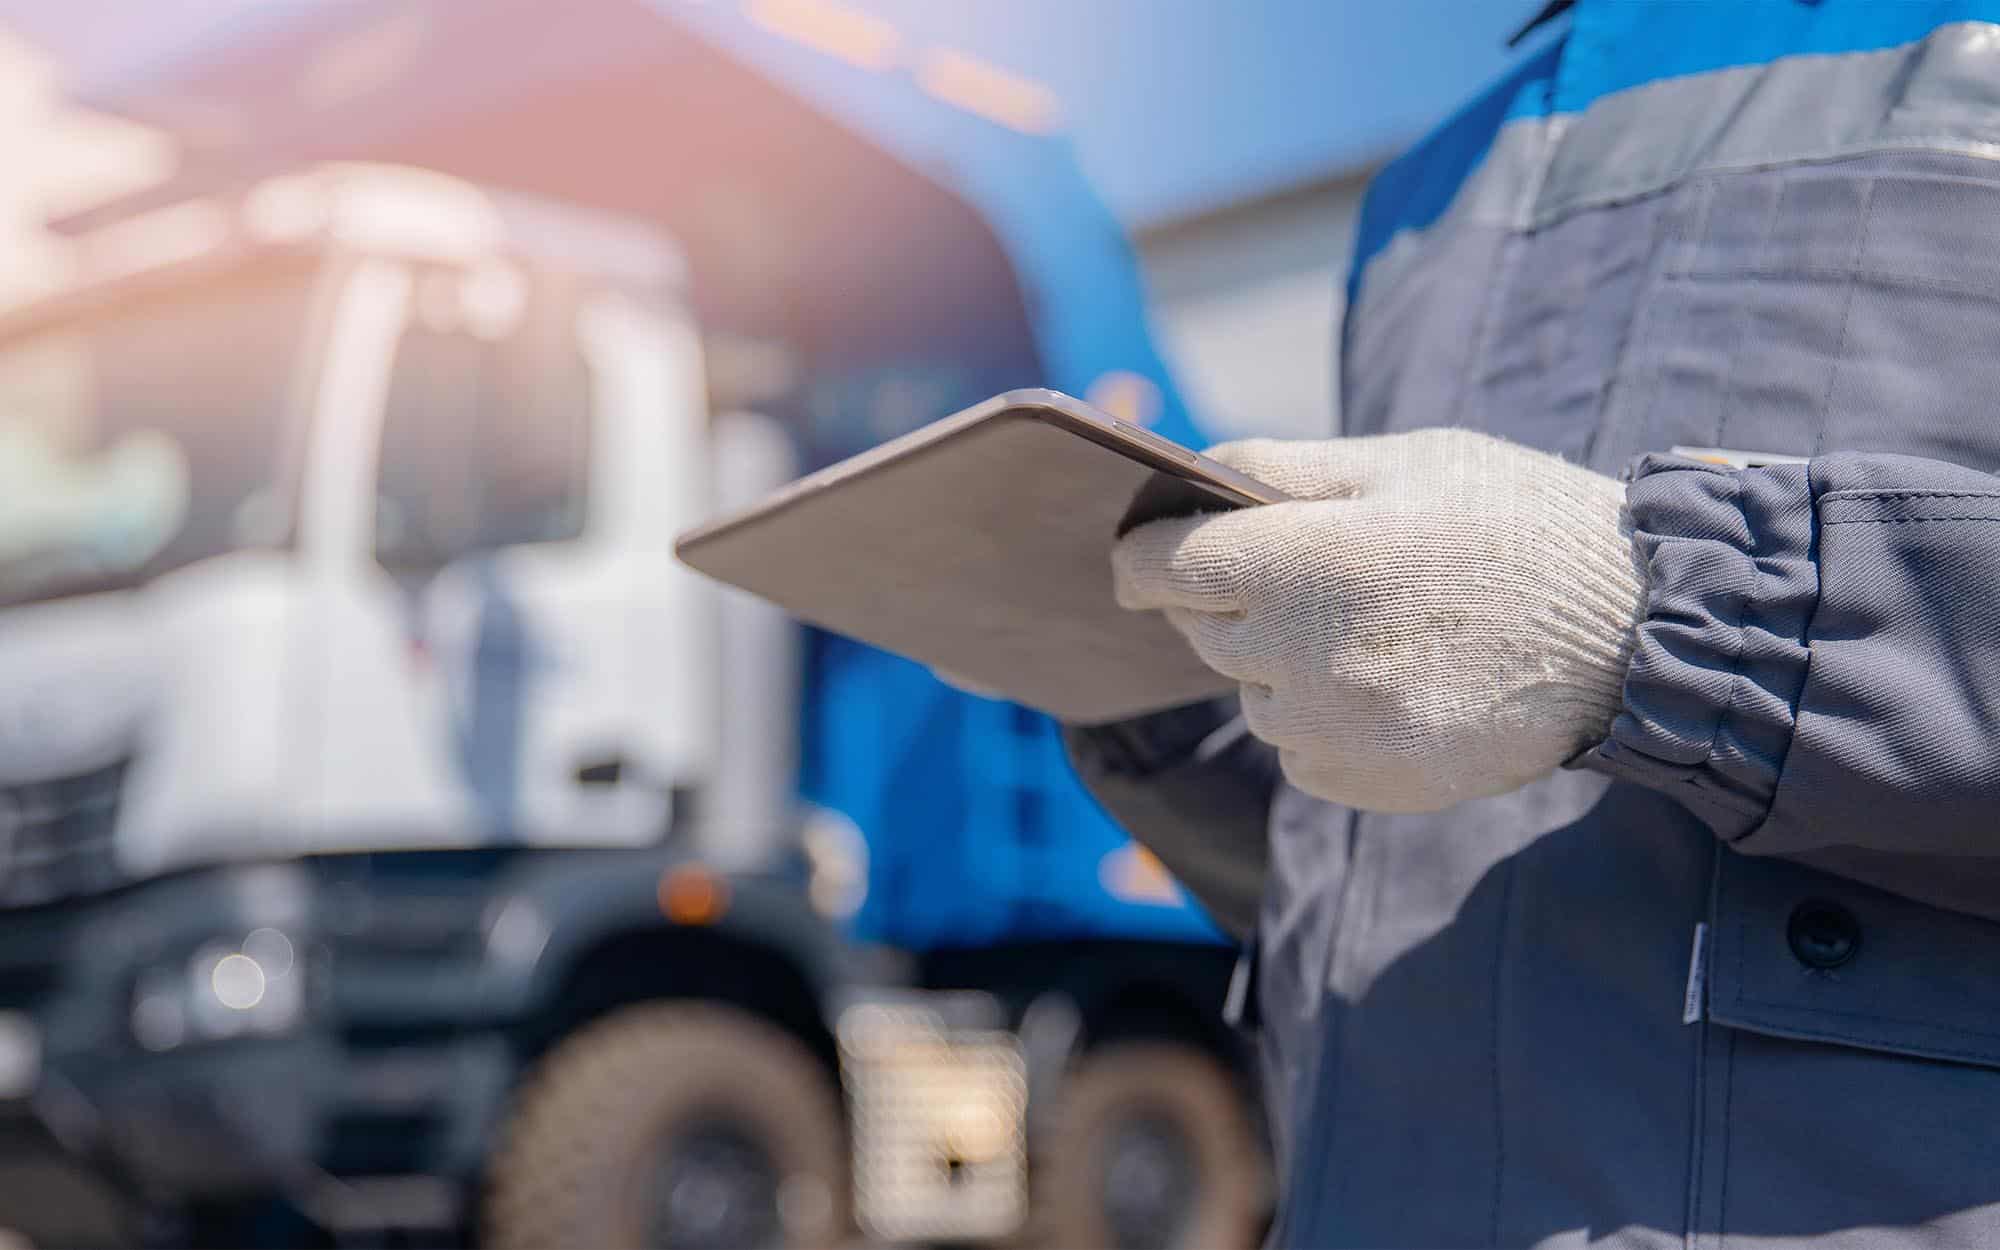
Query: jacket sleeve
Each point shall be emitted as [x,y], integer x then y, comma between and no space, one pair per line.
[1819,666]
[1193,787]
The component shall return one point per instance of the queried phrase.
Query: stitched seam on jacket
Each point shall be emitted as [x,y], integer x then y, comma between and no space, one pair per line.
[1698,1123]
[1891,278]
[1984,1058]
[1744,318]
[1501,271]
[1698,1116]
[1692,230]
[1728,1140]
[1613,194]
[1628,334]
[1729,1078]
[1845,495]
[1860,249]
[1908,520]
[1868,1015]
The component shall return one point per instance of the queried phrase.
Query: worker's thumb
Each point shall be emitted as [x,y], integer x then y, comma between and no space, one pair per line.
[1302,468]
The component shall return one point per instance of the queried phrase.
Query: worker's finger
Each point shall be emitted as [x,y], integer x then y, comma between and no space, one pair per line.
[1224,641]
[1350,468]
[1302,468]
[1187,562]
[1266,719]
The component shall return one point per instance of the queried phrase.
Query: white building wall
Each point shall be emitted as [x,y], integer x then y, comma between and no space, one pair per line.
[1246,304]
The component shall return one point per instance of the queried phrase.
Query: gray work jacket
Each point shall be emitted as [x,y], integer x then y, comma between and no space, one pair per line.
[1733,980]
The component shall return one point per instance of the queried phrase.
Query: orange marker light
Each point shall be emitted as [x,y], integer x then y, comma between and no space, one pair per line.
[693,896]
[978,86]
[827,26]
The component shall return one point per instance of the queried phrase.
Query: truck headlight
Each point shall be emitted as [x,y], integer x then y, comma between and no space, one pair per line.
[837,857]
[226,989]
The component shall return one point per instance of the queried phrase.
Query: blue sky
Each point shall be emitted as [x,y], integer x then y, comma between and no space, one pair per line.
[1177,105]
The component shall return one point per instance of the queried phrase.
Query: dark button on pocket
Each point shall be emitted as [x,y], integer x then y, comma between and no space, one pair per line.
[1822,934]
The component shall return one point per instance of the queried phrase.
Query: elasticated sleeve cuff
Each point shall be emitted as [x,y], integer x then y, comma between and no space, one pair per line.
[1712,695]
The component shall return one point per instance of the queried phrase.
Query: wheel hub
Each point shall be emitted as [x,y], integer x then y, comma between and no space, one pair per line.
[715,1188]
[1151,1183]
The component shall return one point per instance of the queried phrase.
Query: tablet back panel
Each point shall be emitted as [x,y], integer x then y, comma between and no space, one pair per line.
[980,546]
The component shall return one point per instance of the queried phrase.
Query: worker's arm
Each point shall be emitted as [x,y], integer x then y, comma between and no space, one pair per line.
[1192,786]
[1819,660]
[1806,655]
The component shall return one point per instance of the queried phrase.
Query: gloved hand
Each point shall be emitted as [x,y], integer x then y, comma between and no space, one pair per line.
[1442,615]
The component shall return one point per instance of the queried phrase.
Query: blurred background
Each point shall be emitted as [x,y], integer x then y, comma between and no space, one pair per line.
[396,845]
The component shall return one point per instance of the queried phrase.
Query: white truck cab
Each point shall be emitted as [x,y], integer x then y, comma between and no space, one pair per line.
[338,514]
[364,749]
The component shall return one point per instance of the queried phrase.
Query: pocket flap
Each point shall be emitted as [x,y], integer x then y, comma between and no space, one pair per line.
[1804,954]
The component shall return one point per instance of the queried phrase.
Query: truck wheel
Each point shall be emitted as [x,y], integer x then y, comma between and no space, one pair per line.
[56,1204]
[1153,1149]
[684,1125]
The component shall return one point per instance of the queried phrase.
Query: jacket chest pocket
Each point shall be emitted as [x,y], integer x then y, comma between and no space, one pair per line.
[1853,1073]
[1848,305]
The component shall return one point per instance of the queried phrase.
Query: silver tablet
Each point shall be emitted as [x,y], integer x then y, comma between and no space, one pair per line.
[980,545]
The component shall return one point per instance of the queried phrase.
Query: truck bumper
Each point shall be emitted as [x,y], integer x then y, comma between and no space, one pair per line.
[86,1132]
[128,1056]
[352,1140]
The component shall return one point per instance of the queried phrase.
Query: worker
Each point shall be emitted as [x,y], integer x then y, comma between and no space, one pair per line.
[1633,666]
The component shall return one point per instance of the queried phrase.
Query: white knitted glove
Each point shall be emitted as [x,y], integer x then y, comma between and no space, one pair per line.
[1442,616]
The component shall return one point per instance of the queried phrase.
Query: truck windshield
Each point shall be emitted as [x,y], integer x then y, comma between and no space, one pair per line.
[145,437]
[485,439]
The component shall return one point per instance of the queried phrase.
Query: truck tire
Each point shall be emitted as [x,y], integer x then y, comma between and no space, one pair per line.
[1152,1148]
[54,1204]
[672,1124]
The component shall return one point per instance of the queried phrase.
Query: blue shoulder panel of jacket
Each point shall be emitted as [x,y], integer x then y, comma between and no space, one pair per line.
[1612,45]
[1413,190]
[1615,44]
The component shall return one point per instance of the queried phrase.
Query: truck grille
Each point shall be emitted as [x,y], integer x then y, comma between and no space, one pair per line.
[56,836]
[23,986]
